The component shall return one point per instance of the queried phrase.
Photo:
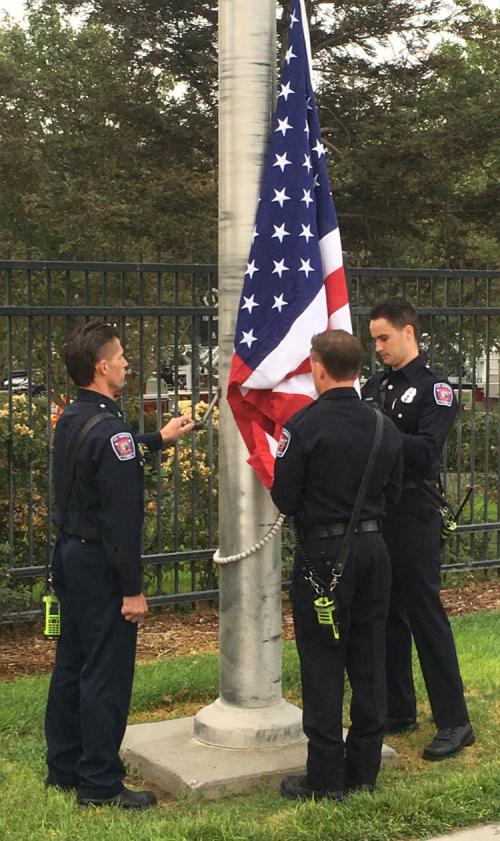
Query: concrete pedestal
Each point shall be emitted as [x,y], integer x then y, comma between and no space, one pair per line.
[167,755]
[228,726]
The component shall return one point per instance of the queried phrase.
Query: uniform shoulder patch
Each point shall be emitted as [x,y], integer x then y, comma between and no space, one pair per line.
[443,394]
[123,446]
[283,443]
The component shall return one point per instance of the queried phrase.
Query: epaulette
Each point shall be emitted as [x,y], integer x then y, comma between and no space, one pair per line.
[377,375]
[439,375]
[106,423]
[299,414]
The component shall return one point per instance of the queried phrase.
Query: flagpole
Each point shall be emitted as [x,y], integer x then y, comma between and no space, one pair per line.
[250,711]
[307,38]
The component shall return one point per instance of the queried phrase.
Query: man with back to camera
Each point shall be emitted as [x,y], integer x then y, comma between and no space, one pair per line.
[97,574]
[320,463]
[421,403]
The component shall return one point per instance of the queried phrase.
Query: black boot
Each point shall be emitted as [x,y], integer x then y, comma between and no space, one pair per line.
[298,788]
[352,788]
[125,799]
[62,785]
[448,741]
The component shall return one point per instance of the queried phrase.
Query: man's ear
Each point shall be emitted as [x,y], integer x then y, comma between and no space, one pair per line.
[101,367]
[321,371]
[409,332]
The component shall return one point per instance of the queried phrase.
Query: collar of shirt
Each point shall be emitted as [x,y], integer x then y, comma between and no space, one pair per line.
[409,371]
[334,393]
[88,396]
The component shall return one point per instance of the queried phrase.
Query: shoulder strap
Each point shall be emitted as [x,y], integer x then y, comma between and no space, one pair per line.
[70,472]
[381,392]
[360,496]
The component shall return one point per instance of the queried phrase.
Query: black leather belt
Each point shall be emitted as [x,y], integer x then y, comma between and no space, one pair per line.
[411,484]
[336,529]
[81,539]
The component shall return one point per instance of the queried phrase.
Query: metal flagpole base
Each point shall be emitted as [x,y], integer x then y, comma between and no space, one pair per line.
[225,725]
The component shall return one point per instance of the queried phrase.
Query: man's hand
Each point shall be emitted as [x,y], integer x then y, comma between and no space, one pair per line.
[176,428]
[134,608]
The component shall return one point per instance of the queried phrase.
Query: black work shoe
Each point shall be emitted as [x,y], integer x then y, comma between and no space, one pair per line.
[60,786]
[400,725]
[66,784]
[448,741]
[126,799]
[352,788]
[298,789]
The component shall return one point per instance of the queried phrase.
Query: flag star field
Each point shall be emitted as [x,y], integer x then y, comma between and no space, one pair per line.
[294,284]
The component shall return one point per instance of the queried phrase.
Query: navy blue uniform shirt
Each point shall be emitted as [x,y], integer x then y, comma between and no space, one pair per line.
[421,403]
[106,503]
[322,457]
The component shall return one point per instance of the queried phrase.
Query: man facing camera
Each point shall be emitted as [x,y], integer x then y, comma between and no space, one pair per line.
[421,403]
[320,464]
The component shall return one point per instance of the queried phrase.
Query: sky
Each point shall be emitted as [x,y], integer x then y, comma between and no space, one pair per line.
[16,7]
[13,7]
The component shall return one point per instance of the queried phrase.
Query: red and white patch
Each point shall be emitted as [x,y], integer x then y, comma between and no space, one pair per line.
[283,443]
[443,394]
[123,446]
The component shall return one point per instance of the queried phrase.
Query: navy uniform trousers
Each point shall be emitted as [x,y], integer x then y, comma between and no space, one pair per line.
[363,597]
[412,534]
[91,684]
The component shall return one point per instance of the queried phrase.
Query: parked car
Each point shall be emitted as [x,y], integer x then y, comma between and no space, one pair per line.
[151,395]
[18,383]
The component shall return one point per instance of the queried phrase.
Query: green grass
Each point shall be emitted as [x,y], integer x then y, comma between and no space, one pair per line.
[415,800]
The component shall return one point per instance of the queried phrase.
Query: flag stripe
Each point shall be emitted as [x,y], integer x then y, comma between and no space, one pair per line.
[290,352]
[294,286]
[341,319]
[336,291]
[331,252]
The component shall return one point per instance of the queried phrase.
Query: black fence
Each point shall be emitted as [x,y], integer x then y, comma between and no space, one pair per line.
[460,321]
[167,318]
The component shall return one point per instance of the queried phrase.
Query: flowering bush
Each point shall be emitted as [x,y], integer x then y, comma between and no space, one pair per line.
[181,501]
[23,485]
[180,498]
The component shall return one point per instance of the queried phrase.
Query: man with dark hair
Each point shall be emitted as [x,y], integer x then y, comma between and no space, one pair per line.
[97,574]
[321,459]
[421,403]
[339,352]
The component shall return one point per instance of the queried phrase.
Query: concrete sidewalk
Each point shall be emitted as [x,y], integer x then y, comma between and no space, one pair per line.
[475,833]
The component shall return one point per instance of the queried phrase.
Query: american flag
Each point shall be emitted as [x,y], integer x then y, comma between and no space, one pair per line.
[294,285]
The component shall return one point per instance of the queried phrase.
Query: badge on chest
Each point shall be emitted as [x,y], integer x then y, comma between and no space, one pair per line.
[409,395]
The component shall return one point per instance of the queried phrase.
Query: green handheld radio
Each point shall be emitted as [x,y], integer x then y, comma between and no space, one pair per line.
[448,526]
[325,608]
[52,617]
[449,519]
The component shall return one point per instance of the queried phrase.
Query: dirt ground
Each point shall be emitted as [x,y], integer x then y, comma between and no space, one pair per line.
[167,633]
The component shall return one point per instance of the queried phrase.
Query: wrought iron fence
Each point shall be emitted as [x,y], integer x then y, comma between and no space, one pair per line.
[460,320]
[167,318]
